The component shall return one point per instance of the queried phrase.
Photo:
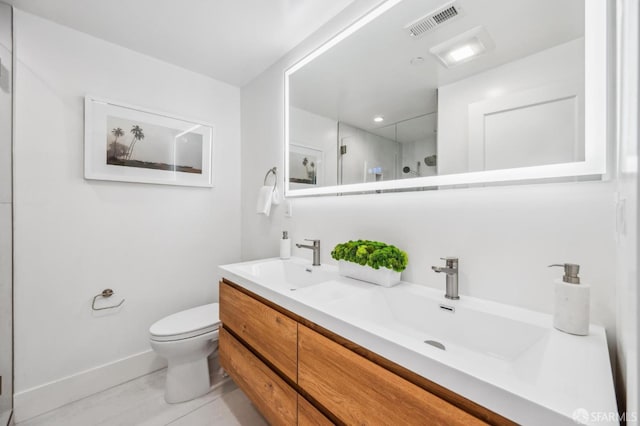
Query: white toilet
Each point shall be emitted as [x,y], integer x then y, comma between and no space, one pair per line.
[186,339]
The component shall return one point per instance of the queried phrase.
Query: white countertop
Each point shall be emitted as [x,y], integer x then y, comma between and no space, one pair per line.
[557,378]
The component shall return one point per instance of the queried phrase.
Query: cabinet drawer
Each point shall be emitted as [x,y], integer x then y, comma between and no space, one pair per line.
[357,391]
[308,415]
[276,400]
[270,333]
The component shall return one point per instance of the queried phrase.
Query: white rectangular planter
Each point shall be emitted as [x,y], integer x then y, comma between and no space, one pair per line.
[383,276]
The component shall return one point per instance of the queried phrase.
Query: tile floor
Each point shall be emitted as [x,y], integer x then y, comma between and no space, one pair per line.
[140,402]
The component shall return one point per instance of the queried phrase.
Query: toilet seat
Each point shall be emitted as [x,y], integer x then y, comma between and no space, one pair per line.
[187,324]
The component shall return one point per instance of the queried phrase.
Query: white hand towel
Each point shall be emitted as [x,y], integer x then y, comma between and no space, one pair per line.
[276,198]
[263,206]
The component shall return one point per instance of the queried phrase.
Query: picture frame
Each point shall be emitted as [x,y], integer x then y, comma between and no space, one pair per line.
[128,143]
[307,175]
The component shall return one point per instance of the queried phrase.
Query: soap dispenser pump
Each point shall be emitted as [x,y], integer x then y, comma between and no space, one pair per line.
[285,246]
[571,302]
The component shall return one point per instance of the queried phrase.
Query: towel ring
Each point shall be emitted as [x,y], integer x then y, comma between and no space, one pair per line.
[107,292]
[274,170]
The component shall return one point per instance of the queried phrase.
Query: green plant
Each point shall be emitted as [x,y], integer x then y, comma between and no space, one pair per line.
[371,253]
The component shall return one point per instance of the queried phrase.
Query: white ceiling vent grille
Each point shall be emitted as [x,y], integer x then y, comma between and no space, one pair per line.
[433,19]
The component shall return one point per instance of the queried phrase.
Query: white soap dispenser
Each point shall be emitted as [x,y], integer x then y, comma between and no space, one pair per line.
[285,246]
[571,313]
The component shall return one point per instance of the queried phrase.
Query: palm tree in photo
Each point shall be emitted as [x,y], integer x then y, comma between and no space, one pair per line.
[138,135]
[311,174]
[117,132]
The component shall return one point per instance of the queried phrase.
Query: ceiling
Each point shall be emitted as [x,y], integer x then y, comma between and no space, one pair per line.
[229,40]
[370,72]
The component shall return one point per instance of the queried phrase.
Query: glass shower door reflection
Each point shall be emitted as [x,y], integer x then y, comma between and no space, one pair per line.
[6,239]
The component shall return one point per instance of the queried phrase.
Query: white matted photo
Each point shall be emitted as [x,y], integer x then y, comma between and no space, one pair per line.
[131,144]
[306,166]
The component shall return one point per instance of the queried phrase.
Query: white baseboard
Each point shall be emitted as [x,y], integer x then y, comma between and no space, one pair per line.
[40,399]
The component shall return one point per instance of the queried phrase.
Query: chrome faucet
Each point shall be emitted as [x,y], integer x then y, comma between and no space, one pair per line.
[451,269]
[316,250]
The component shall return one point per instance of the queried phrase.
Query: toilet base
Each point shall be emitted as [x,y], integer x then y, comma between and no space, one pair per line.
[187,366]
[187,380]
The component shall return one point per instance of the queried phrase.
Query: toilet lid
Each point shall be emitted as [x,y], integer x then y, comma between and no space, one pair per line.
[189,323]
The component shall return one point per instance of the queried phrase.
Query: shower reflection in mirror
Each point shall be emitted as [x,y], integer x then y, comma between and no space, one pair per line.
[401,150]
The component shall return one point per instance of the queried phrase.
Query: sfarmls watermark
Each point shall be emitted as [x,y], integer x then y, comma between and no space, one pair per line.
[583,416]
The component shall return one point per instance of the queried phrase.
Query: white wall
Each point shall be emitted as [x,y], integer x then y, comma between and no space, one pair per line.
[504,236]
[557,64]
[157,246]
[262,112]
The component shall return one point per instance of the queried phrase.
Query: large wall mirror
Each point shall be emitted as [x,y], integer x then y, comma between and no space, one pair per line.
[434,93]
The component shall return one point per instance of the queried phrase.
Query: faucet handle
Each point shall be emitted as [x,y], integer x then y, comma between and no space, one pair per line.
[452,262]
[313,241]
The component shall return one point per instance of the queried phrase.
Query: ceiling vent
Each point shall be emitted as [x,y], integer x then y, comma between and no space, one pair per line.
[433,19]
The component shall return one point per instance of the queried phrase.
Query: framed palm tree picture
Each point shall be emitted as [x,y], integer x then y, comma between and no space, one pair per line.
[130,144]
[306,166]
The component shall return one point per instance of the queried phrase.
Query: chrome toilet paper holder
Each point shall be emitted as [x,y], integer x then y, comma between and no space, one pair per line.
[106,293]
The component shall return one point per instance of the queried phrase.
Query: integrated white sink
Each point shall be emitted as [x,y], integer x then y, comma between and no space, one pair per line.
[508,359]
[289,275]
[410,311]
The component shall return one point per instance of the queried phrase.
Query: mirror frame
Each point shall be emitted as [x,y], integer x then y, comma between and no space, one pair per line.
[596,87]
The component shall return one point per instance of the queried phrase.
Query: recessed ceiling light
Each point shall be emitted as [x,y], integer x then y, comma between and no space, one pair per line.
[462,53]
[378,119]
[464,47]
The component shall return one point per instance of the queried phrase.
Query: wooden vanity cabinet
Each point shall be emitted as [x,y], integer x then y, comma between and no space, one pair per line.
[267,331]
[259,350]
[308,415]
[297,372]
[274,398]
[357,391]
